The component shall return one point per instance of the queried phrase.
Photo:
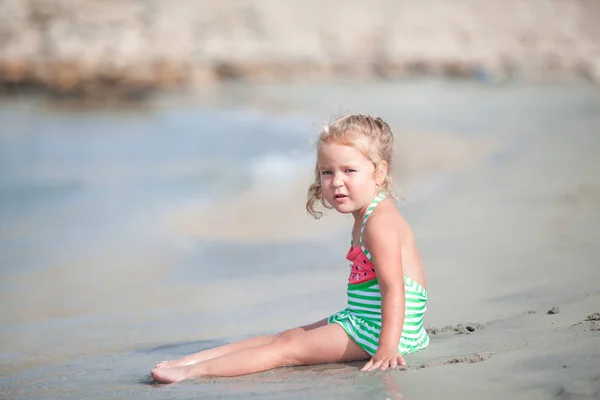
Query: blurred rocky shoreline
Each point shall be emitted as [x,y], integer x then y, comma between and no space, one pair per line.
[131,47]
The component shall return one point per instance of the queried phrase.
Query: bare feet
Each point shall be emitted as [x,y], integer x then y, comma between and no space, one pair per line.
[181,362]
[169,375]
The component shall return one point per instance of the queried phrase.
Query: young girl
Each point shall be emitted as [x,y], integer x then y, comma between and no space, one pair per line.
[386,286]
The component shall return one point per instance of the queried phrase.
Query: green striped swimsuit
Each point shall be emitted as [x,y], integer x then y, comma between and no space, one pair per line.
[362,318]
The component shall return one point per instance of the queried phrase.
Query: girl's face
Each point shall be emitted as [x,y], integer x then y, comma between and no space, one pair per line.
[347,178]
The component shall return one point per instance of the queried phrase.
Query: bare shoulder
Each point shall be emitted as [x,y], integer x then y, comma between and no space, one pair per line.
[387,234]
[385,222]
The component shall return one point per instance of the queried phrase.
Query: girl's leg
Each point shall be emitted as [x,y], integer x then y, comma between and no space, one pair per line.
[242,344]
[322,345]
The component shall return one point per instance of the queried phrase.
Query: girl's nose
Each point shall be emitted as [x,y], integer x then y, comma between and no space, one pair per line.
[337,180]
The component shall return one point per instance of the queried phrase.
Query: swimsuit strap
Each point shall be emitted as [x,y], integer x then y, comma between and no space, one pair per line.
[370,209]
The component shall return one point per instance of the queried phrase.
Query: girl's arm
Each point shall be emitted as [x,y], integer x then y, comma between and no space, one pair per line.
[383,241]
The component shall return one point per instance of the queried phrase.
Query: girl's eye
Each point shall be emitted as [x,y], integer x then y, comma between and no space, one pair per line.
[350,170]
[326,173]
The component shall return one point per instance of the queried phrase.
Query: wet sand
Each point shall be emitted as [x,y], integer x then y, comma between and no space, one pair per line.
[506,225]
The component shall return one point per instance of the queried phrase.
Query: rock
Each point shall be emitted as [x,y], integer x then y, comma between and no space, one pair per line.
[593,317]
[88,47]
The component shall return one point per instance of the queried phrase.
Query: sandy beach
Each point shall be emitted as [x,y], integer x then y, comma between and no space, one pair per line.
[499,182]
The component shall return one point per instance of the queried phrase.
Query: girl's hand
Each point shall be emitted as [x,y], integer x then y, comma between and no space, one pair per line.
[384,359]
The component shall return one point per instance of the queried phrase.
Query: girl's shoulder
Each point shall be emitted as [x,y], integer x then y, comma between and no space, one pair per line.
[386,221]
[386,212]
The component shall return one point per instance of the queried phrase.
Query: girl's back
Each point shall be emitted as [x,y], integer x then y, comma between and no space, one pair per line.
[387,214]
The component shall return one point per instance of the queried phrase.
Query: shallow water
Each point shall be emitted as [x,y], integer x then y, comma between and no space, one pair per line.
[96,285]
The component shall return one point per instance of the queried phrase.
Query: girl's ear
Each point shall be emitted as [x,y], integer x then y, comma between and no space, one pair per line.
[381,173]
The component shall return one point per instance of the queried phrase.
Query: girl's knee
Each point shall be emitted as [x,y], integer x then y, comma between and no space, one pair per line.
[290,332]
[286,348]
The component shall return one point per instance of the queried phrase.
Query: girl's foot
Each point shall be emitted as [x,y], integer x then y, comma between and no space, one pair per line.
[169,375]
[181,362]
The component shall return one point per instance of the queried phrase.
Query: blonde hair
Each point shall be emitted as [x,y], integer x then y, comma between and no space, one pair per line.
[369,135]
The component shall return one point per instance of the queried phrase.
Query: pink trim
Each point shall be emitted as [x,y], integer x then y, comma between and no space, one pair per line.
[361,269]
[353,252]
